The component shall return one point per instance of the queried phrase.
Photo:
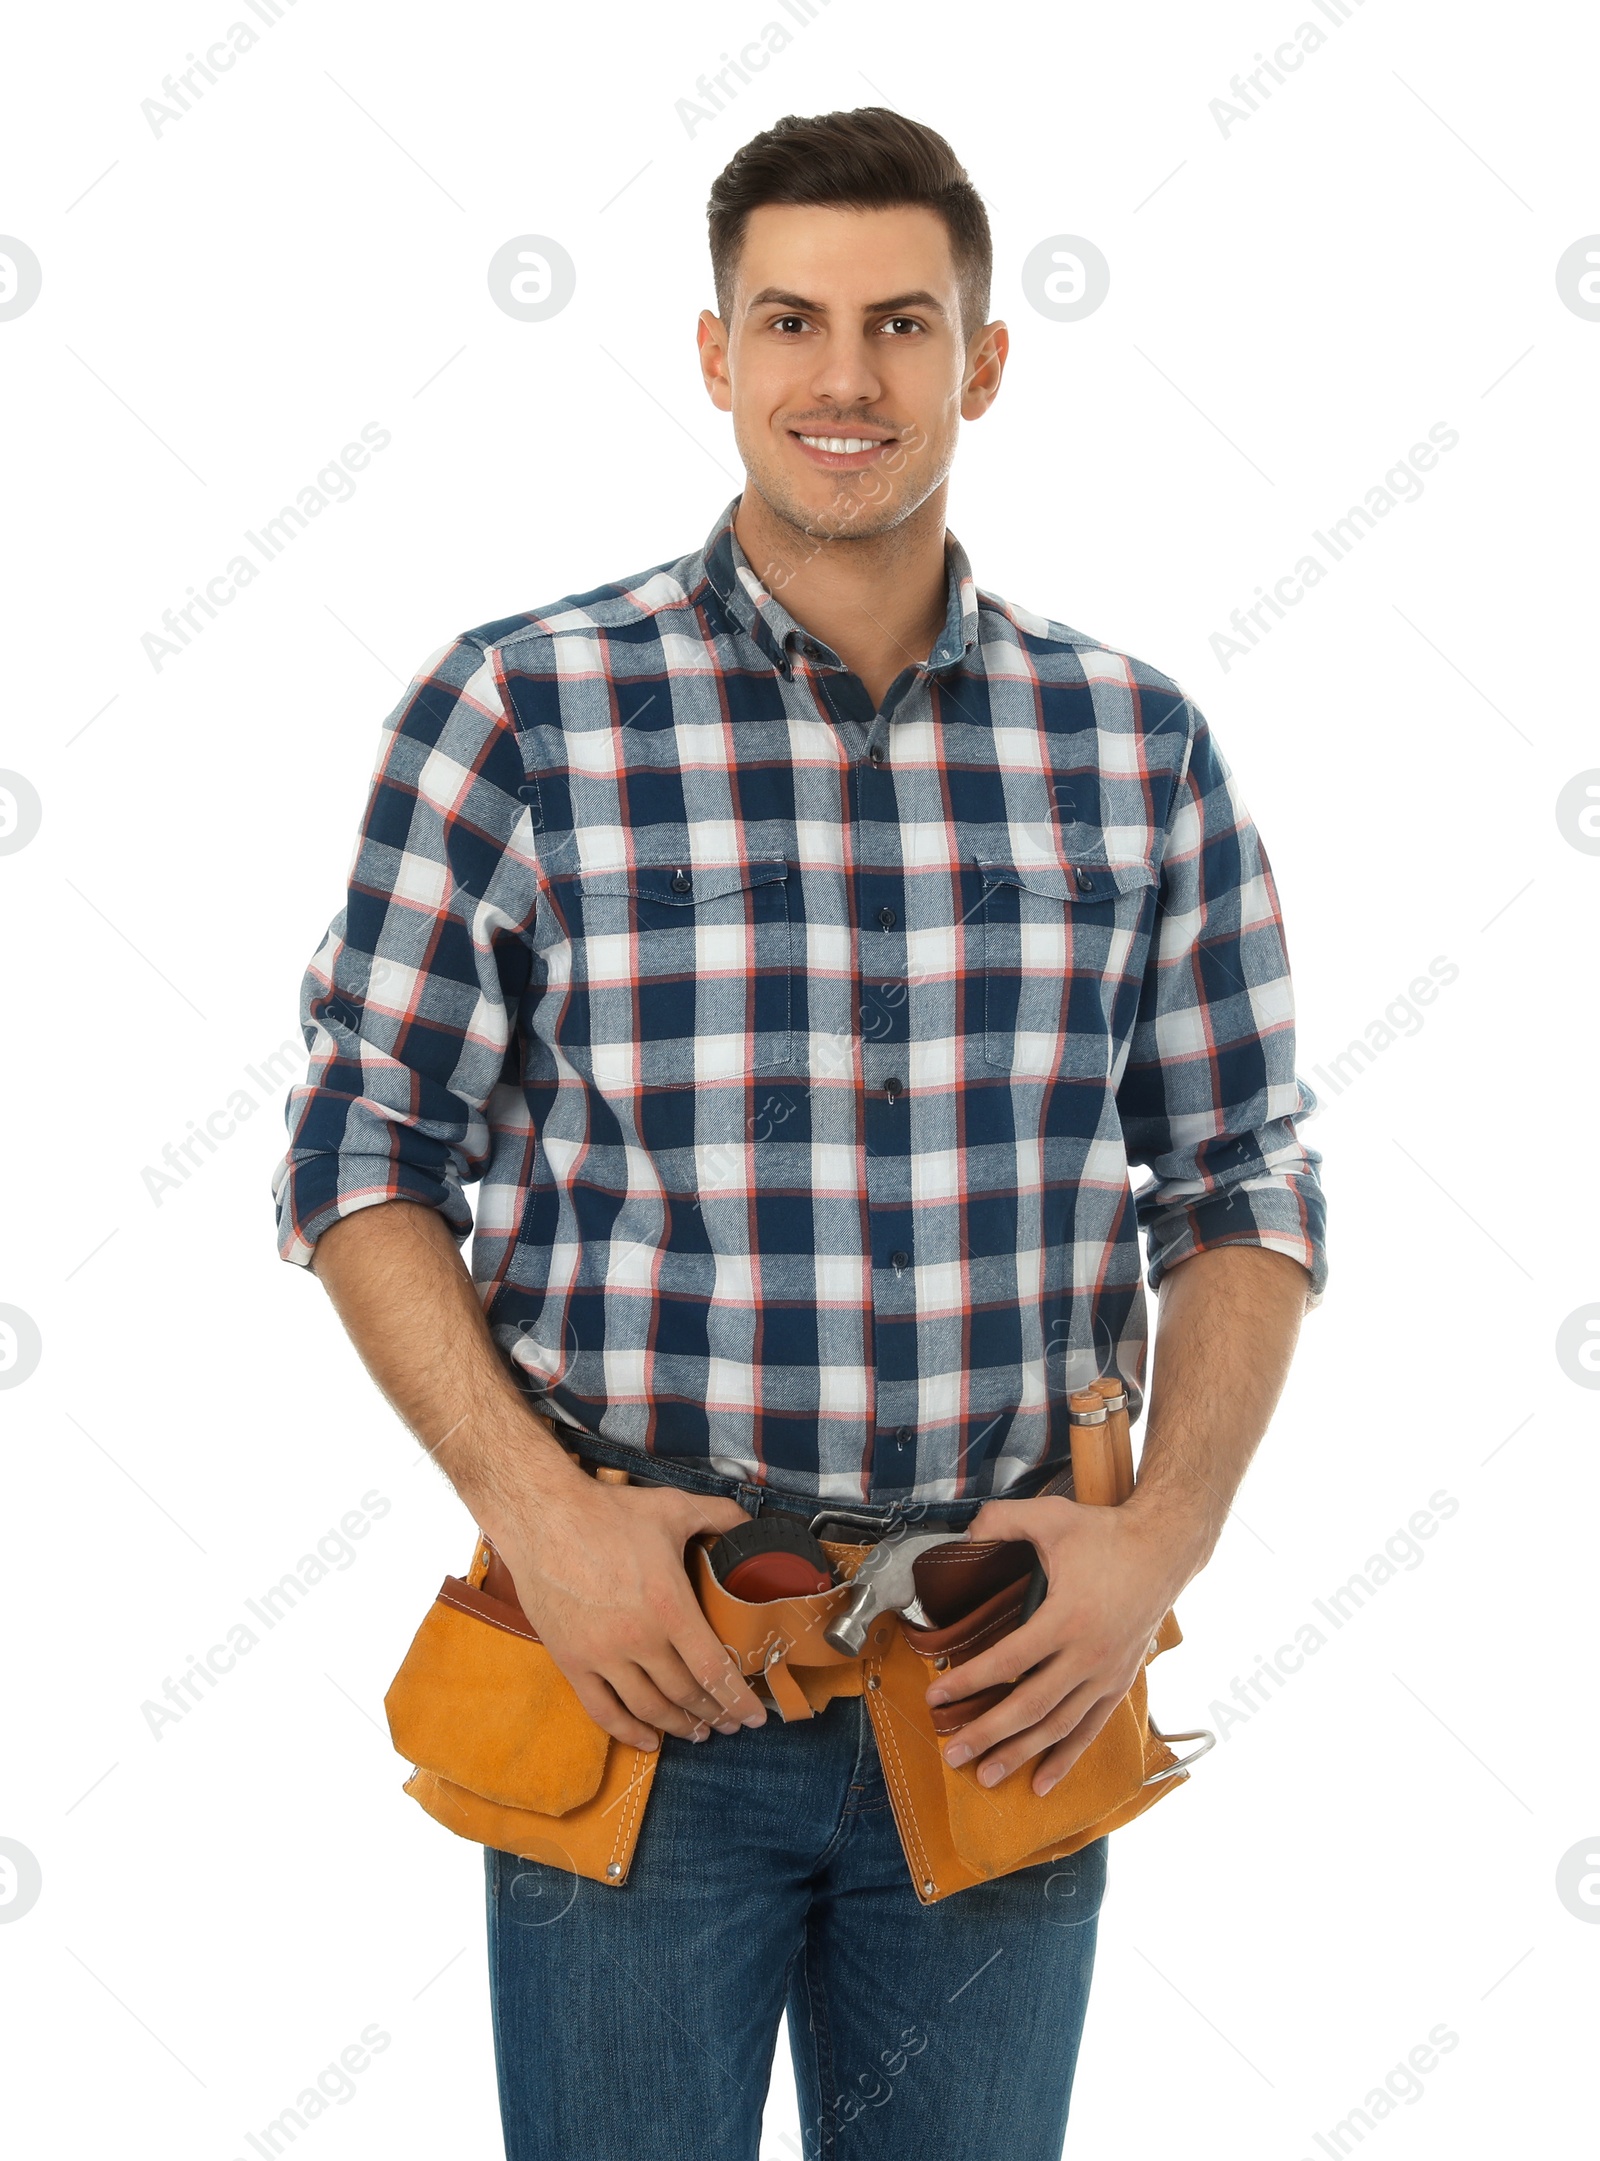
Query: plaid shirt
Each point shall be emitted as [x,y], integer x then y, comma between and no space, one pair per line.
[802,1050]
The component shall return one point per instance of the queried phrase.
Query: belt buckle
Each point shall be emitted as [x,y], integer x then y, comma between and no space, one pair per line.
[872,1525]
[877,1530]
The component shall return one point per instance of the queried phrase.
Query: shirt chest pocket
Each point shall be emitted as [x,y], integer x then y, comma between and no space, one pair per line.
[1063,957]
[680,974]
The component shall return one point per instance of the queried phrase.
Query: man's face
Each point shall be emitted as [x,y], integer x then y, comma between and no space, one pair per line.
[845,326]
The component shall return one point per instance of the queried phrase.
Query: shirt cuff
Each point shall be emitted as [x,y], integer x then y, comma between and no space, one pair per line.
[1279,1225]
[312,1192]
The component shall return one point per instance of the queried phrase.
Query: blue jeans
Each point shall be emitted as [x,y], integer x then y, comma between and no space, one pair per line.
[639,2024]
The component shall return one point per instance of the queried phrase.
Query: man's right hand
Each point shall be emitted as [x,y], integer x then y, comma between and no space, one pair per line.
[599,1571]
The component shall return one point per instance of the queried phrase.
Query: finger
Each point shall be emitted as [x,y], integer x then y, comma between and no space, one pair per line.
[672,1677]
[1035,1698]
[1034,1520]
[700,1663]
[699,1512]
[1075,1721]
[1054,1764]
[999,1519]
[708,1667]
[649,1702]
[725,1696]
[609,1712]
[710,1685]
[1014,1655]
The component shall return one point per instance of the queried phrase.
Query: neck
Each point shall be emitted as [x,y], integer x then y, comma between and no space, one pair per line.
[879,601]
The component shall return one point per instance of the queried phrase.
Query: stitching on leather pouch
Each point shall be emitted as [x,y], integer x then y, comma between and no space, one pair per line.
[1001,1621]
[636,1788]
[896,1770]
[636,1803]
[458,1605]
[899,1778]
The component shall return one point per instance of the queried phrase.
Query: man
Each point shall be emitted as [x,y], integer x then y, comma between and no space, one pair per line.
[800,944]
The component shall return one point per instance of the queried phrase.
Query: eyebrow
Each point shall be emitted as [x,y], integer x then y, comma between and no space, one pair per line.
[773,296]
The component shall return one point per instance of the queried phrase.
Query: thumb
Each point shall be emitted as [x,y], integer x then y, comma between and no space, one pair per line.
[701,1513]
[1004,1520]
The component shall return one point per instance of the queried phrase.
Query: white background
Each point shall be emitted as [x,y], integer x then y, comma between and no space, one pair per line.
[1293,304]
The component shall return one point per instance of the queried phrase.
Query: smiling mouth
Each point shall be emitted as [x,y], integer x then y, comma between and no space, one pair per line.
[844,451]
[844,445]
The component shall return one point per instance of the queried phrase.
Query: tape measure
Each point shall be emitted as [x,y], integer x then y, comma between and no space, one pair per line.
[770,1557]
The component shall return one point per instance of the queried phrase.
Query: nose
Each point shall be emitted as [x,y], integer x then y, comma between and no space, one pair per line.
[846,372]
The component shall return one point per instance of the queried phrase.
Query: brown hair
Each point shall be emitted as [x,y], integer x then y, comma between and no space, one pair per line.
[868,159]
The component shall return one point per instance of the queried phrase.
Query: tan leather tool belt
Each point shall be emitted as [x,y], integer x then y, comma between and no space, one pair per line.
[505,1754]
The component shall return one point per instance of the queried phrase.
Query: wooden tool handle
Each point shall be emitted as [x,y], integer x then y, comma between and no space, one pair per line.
[1114,1393]
[609,1476]
[1094,1470]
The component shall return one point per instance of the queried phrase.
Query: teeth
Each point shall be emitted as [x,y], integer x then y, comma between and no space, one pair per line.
[842,443]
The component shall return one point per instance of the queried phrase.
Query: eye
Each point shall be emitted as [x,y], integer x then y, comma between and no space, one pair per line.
[789,322]
[902,323]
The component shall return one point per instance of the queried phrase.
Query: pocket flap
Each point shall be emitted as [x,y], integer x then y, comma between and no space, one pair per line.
[1107,881]
[1080,882]
[680,884]
[481,1703]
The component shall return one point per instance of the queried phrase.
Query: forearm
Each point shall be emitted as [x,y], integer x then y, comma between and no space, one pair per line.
[1228,1322]
[399,1285]
[598,1568]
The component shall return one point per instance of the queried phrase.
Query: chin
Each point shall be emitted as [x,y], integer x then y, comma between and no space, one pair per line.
[825,511]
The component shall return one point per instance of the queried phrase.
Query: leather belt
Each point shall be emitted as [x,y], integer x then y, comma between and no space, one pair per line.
[855,1526]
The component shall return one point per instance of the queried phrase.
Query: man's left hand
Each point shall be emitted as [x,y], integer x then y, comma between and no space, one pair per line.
[1112,1577]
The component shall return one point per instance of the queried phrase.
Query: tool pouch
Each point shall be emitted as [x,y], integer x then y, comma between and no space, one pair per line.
[955,1832]
[503,1751]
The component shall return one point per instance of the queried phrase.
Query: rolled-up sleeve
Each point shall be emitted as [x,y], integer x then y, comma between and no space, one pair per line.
[409,1004]
[1209,1098]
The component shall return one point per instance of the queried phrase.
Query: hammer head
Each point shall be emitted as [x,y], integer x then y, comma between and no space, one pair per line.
[882,1584]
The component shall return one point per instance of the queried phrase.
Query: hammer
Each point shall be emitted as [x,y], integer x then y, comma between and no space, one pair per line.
[882,1584]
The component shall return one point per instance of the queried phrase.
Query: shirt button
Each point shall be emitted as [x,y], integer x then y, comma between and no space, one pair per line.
[1084,882]
[887,919]
[897,1261]
[892,1087]
[681,881]
[904,1435]
[876,754]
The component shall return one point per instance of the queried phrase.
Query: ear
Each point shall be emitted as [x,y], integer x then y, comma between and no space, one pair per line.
[986,362]
[712,338]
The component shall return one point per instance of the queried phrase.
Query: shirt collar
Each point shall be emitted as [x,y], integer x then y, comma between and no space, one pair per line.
[764,618]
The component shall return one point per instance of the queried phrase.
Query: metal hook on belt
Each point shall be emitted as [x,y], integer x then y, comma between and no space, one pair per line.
[1179,1763]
